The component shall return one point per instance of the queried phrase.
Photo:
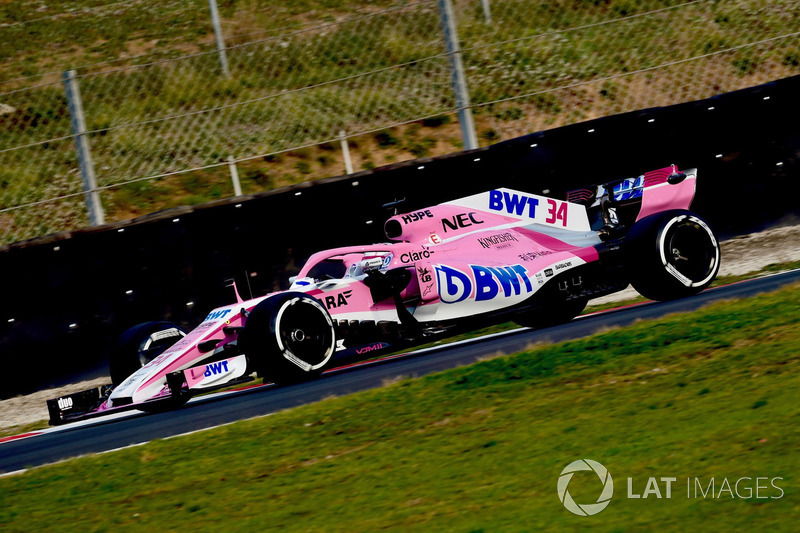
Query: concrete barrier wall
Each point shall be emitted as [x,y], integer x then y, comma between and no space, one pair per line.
[66,297]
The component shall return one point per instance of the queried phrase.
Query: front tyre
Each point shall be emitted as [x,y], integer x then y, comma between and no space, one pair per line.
[141,344]
[289,338]
[671,255]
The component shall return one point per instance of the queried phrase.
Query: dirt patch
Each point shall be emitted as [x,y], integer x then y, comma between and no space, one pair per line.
[33,407]
[742,255]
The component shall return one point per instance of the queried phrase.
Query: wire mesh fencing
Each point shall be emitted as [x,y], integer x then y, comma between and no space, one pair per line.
[536,66]
[162,127]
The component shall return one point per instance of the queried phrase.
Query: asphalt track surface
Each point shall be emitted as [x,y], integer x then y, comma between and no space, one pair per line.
[128,429]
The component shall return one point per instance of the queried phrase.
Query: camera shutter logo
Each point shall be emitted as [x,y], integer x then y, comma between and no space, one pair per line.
[586,509]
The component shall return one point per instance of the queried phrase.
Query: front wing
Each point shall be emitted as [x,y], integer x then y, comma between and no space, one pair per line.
[180,386]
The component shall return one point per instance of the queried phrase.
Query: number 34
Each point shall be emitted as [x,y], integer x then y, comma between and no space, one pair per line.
[556,211]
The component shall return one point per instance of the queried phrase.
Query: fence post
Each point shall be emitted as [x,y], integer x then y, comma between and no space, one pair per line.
[78,122]
[348,163]
[470,140]
[223,58]
[487,11]
[237,187]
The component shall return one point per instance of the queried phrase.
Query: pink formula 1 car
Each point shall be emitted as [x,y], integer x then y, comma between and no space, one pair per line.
[491,257]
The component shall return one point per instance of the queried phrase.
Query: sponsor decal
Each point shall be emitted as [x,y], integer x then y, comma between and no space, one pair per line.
[65,403]
[410,257]
[629,189]
[548,272]
[464,220]
[212,369]
[428,289]
[527,206]
[387,260]
[435,239]
[497,240]
[531,256]
[565,264]
[371,348]
[424,275]
[338,300]
[489,282]
[513,204]
[414,217]
[217,315]
[539,278]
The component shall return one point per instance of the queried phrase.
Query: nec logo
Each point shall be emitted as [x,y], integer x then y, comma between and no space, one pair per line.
[217,315]
[212,369]
[464,220]
[332,302]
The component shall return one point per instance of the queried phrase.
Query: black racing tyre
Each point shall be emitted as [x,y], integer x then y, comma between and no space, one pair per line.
[288,338]
[555,313]
[671,255]
[141,344]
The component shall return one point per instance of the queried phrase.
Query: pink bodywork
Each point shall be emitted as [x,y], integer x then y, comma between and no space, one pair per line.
[661,196]
[485,252]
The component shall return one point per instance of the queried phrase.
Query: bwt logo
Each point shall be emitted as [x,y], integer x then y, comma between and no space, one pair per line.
[217,315]
[456,286]
[512,203]
[212,369]
[585,509]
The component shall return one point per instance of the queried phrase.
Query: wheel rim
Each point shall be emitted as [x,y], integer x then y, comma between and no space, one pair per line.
[689,251]
[304,333]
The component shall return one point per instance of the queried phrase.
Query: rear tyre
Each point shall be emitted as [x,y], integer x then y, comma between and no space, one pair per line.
[141,344]
[289,338]
[671,255]
[554,314]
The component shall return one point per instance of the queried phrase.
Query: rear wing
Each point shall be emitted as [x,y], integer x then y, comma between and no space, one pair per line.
[652,192]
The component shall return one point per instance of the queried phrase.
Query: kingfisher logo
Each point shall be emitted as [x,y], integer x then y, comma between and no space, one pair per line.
[585,509]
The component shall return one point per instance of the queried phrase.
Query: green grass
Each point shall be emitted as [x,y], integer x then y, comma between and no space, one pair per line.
[714,393]
[534,53]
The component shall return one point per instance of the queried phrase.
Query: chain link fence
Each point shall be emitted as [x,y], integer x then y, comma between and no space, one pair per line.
[162,126]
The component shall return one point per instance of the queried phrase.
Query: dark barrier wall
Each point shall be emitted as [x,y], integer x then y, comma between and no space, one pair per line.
[67,297]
